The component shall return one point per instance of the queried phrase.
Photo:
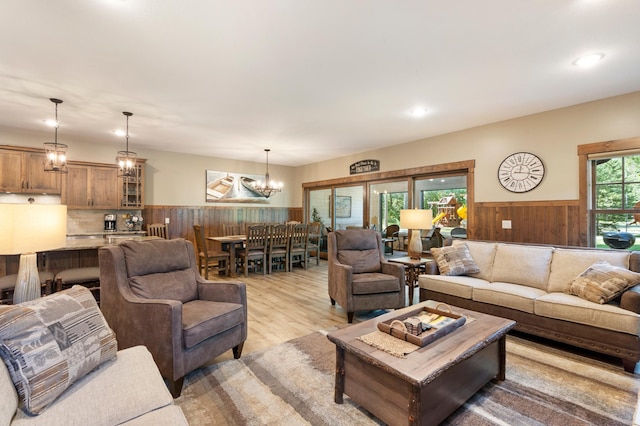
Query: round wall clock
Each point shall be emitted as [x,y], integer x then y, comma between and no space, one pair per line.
[521,172]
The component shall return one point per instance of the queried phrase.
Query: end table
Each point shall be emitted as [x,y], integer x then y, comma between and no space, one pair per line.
[412,271]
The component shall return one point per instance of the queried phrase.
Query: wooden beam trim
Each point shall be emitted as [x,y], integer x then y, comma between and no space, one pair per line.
[462,166]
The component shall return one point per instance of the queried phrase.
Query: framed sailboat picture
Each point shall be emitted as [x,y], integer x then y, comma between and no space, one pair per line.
[225,187]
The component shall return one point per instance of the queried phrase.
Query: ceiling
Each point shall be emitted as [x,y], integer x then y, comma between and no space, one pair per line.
[312,80]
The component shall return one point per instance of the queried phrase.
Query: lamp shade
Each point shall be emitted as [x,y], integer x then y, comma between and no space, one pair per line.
[416,219]
[29,228]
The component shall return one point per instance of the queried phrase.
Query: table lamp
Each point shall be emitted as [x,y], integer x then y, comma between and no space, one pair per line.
[26,229]
[415,220]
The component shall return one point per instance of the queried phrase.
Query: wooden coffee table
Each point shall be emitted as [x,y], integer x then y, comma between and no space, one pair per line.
[429,384]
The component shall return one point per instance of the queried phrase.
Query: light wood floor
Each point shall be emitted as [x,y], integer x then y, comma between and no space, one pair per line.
[286,305]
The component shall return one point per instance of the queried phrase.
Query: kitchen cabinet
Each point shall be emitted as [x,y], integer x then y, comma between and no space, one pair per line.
[23,172]
[91,186]
[132,188]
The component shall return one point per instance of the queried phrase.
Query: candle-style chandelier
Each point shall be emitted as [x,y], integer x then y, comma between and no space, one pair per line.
[126,159]
[267,187]
[56,153]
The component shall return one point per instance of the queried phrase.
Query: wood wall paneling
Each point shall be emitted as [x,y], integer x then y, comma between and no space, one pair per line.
[551,222]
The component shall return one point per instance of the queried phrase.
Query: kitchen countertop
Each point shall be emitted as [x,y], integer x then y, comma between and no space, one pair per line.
[96,243]
[103,234]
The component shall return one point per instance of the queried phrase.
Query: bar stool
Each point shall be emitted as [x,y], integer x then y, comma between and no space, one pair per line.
[88,277]
[8,282]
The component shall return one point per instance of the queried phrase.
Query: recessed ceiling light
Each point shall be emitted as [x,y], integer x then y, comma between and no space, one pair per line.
[588,60]
[51,122]
[418,112]
[119,133]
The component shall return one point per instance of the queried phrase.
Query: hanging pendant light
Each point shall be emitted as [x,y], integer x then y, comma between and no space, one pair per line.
[267,188]
[126,159]
[56,153]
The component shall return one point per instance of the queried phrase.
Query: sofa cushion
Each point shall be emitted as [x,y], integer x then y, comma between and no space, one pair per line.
[202,319]
[566,264]
[514,296]
[131,382]
[454,260]
[361,260]
[602,282]
[175,285]
[460,286]
[520,264]
[51,342]
[574,309]
[373,283]
[483,254]
[9,396]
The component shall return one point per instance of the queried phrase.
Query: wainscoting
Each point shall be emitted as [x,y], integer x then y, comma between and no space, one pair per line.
[212,218]
[545,222]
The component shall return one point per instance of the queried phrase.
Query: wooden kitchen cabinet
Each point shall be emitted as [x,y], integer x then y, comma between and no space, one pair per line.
[23,172]
[91,186]
[132,188]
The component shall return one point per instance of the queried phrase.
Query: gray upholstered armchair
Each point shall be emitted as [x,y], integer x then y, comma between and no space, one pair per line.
[359,277]
[153,295]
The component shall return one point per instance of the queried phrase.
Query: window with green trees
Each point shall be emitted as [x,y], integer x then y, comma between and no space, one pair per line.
[615,197]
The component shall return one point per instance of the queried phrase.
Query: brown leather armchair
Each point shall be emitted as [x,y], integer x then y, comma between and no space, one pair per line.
[359,277]
[153,295]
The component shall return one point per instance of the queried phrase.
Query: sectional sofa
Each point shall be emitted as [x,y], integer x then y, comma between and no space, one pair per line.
[531,284]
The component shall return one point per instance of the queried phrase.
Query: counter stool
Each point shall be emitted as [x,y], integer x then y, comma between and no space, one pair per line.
[8,282]
[88,277]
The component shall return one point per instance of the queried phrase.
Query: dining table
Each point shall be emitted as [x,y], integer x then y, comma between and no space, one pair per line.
[232,241]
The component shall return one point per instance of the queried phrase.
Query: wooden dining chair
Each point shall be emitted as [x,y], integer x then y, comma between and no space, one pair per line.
[254,253]
[299,249]
[232,229]
[210,259]
[314,240]
[158,230]
[279,246]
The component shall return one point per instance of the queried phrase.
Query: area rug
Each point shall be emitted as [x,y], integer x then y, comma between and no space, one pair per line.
[293,384]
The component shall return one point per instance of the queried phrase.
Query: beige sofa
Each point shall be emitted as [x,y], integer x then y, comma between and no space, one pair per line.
[126,390]
[526,283]
[60,365]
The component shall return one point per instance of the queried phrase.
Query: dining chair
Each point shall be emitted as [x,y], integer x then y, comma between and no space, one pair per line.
[314,240]
[158,230]
[232,229]
[299,249]
[279,246]
[254,253]
[210,259]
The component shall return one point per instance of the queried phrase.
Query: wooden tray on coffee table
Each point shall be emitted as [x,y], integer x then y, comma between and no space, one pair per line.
[423,339]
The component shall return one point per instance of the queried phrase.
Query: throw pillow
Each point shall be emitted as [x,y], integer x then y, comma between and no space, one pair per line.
[602,282]
[454,260]
[49,343]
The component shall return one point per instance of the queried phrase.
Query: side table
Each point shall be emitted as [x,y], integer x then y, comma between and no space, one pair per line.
[412,270]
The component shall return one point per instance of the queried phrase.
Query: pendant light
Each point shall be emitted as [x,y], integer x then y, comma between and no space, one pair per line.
[56,153]
[267,188]
[126,159]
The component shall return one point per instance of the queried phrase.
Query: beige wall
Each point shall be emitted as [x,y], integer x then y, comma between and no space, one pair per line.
[172,179]
[179,179]
[553,136]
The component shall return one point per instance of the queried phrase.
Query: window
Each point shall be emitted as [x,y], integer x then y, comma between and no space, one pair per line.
[615,201]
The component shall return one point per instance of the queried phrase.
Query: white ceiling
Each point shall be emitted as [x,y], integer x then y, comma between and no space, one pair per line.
[310,79]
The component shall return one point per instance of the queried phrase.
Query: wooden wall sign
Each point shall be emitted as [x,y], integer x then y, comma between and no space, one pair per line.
[364,166]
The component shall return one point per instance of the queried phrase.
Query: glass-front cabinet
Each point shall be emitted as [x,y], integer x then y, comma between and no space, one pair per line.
[132,188]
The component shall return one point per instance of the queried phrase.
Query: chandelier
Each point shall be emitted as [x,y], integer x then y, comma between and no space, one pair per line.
[126,159]
[56,153]
[267,188]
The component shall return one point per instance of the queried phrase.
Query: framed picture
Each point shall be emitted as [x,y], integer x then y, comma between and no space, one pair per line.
[343,206]
[225,187]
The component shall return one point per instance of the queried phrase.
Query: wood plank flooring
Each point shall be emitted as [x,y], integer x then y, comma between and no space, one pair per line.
[286,305]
